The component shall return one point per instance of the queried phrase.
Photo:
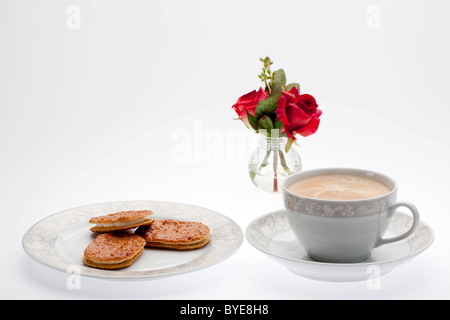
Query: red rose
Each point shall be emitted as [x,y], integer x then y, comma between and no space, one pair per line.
[249,102]
[298,113]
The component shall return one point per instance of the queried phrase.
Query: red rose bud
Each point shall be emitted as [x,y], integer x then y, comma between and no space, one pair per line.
[248,103]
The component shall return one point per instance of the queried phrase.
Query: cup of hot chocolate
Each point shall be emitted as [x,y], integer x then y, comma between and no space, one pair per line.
[340,215]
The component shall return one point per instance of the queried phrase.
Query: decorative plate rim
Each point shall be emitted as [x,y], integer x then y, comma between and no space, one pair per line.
[222,244]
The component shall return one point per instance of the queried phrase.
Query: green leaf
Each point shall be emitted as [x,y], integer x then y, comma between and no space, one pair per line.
[279,82]
[252,174]
[280,76]
[278,124]
[267,106]
[276,88]
[252,120]
[291,85]
[265,123]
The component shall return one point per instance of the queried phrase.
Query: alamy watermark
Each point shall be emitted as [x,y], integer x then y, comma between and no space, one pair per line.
[199,145]
[373,21]
[73,282]
[73,21]
[373,281]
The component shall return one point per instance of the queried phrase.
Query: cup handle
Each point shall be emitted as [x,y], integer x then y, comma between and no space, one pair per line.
[411,230]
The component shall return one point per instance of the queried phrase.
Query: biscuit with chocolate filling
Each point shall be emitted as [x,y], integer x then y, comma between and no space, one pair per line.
[121,221]
[114,250]
[175,234]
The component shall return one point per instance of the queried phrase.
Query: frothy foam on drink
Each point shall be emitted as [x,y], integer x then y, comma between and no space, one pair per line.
[339,187]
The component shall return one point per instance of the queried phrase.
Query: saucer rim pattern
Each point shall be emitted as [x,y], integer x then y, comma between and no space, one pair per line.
[418,241]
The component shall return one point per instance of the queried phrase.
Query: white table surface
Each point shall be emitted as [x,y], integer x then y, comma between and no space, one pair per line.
[83,123]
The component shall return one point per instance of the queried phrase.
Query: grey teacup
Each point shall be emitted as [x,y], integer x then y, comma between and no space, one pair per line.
[343,231]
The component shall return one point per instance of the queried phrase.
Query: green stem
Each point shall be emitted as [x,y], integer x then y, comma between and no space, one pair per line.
[275,173]
[266,159]
[283,162]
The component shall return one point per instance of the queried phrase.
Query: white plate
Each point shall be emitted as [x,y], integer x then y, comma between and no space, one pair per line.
[272,235]
[59,241]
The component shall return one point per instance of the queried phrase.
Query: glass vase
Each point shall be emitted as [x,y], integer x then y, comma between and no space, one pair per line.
[270,164]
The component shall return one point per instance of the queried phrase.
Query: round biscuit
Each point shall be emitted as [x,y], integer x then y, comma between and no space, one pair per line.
[169,231]
[114,248]
[121,216]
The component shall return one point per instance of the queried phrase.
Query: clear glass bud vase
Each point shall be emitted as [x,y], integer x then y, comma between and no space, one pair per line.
[270,164]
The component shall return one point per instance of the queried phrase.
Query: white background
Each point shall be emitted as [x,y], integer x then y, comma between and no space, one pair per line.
[106,111]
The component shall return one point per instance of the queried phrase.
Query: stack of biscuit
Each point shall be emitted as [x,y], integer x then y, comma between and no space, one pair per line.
[174,234]
[117,247]
[122,220]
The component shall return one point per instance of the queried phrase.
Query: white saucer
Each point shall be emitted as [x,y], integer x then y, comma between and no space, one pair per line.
[272,235]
